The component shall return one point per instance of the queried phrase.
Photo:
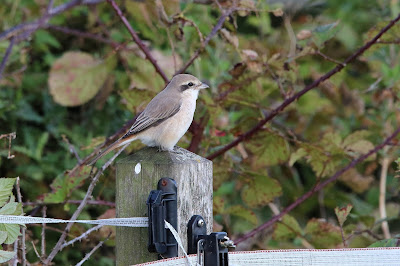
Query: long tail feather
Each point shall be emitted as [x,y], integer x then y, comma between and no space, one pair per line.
[112,147]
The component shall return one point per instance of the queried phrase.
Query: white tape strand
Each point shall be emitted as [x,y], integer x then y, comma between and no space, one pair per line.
[128,222]
[178,239]
[305,257]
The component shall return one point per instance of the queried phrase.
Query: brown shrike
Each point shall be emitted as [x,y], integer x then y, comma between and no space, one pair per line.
[166,118]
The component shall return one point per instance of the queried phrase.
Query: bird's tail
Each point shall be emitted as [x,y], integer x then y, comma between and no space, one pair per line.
[116,144]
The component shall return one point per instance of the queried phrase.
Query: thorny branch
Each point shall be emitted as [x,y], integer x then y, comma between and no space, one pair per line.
[295,97]
[88,195]
[24,30]
[138,41]
[30,27]
[89,202]
[317,188]
[93,251]
[82,236]
[213,32]
[88,35]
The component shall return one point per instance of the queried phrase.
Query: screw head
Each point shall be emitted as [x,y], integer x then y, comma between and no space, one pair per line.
[200,223]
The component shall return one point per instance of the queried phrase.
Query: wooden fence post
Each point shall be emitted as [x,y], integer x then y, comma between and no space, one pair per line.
[138,174]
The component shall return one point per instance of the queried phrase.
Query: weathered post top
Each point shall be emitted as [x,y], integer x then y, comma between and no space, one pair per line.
[138,174]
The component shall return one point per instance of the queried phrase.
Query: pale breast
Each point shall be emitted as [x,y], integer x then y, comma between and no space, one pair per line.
[169,132]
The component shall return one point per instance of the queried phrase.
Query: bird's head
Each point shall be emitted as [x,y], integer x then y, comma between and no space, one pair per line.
[186,82]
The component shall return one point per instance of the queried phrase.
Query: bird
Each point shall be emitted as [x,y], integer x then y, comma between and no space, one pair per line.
[166,118]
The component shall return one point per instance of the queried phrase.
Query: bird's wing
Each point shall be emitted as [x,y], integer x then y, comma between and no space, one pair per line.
[156,112]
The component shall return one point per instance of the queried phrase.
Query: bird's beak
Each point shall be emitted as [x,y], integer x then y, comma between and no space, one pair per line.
[203,86]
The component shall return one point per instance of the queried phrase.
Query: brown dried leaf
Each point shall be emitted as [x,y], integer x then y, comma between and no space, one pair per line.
[356,181]
[76,77]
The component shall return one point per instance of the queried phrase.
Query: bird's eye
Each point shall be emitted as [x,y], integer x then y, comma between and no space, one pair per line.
[190,84]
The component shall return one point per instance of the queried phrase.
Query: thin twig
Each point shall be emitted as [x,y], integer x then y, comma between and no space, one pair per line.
[36,251]
[23,230]
[82,236]
[382,195]
[317,188]
[343,238]
[15,259]
[31,27]
[396,41]
[89,202]
[295,97]
[6,56]
[88,195]
[138,41]
[43,246]
[87,35]
[369,232]
[10,137]
[213,32]
[327,58]
[71,148]
[92,251]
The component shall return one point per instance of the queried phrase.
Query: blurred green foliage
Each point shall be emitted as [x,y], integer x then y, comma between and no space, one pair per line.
[256,61]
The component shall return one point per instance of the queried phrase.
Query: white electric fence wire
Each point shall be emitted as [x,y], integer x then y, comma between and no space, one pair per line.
[128,222]
[178,239]
[302,257]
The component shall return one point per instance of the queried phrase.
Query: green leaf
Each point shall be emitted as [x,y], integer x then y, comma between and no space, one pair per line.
[222,171]
[342,213]
[322,34]
[9,208]
[269,149]
[64,184]
[76,77]
[6,186]
[323,234]
[240,211]
[359,148]
[355,137]
[6,255]
[3,236]
[260,191]
[287,228]
[43,39]
[393,242]
[321,161]
[295,156]
[40,145]
[13,231]
[311,102]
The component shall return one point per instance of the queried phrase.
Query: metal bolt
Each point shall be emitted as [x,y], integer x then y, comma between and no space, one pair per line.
[200,223]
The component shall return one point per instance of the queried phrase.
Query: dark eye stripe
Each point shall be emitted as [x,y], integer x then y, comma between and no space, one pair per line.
[184,87]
